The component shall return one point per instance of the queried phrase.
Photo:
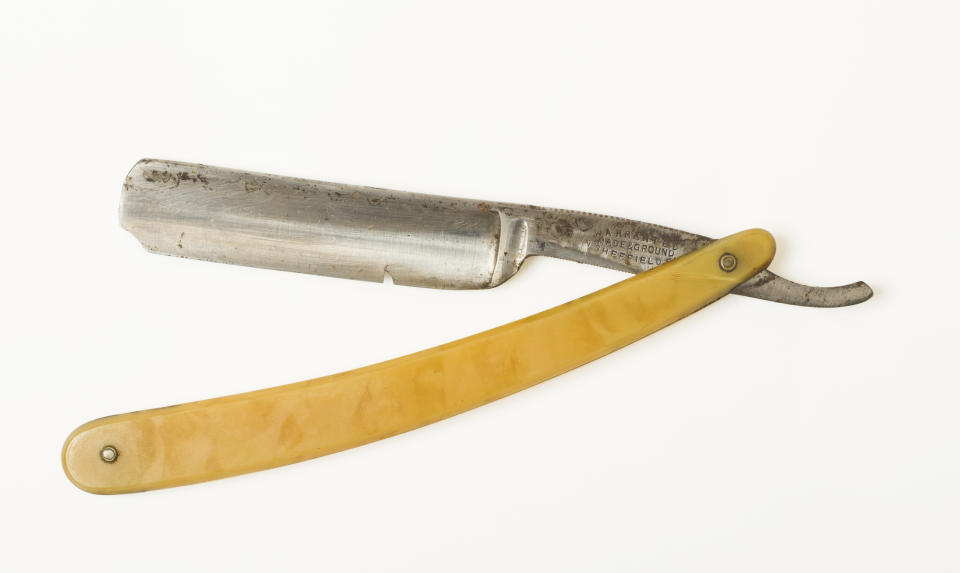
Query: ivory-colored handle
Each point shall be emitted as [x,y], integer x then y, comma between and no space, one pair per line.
[221,437]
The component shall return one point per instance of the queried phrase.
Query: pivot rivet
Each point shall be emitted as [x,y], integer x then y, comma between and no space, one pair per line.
[109,454]
[728,262]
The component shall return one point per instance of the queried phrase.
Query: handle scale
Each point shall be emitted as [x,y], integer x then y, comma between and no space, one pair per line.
[221,437]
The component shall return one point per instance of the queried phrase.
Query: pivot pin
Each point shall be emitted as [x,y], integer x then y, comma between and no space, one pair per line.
[728,262]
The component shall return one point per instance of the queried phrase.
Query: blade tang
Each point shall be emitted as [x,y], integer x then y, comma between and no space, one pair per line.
[636,246]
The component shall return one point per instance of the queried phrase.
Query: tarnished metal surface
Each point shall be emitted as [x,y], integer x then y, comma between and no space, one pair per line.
[365,233]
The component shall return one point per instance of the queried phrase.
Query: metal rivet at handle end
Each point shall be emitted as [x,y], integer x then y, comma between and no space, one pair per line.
[109,454]
[728,262]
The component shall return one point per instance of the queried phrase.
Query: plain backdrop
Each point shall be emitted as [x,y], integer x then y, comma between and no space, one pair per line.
[751,436]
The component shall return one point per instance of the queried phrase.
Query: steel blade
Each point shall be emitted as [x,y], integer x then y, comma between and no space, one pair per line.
[254,219]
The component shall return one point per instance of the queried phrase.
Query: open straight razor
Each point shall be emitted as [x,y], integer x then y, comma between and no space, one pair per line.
[229,216]
[363,233]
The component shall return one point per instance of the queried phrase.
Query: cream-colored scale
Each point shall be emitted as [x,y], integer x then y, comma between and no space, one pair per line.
[221,437]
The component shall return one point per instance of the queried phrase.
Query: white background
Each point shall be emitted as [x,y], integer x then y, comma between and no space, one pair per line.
[749,437]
